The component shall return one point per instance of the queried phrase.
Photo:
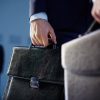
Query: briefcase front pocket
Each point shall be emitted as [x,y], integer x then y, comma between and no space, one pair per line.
[35,74]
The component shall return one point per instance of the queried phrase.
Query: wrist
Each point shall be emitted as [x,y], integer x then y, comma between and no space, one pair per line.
[41,15]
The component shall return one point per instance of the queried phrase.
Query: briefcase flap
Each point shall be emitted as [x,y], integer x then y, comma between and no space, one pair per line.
[82,55]
[45,64]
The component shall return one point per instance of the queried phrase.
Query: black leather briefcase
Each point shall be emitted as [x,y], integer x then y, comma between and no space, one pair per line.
[35,74]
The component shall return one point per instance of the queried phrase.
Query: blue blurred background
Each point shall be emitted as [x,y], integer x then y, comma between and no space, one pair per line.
[14,31]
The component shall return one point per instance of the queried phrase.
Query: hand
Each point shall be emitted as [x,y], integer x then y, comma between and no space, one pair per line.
[39,31]
[96,10]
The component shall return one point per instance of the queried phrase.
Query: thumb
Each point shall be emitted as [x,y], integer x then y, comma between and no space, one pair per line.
[53,36]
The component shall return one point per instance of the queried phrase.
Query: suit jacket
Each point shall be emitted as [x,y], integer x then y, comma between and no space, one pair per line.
[72,16]
[1,58]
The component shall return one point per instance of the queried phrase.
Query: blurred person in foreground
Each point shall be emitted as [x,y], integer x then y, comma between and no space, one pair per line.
[1,58]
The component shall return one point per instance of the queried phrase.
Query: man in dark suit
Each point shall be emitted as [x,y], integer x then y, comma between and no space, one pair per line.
[62,20]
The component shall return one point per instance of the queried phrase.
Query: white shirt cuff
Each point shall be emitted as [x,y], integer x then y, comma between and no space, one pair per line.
[93,0]
[41,15]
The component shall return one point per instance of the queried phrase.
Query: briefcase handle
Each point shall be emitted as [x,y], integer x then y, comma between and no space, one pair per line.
[90,28]
[50,46]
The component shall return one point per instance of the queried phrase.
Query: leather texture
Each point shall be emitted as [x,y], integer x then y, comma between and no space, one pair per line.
[42,63]
[81,62]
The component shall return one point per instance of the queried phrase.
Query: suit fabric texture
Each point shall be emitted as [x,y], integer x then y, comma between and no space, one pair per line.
[68,17]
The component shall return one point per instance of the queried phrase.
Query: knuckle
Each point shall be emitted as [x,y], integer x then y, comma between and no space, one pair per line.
[55,37]
[37,34]
[32,42]
[46,44]
[33,36]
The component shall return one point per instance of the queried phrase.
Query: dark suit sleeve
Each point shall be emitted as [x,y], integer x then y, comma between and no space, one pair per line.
[36,6]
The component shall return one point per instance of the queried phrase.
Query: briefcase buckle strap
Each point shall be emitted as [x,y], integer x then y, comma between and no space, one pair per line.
[34,82]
